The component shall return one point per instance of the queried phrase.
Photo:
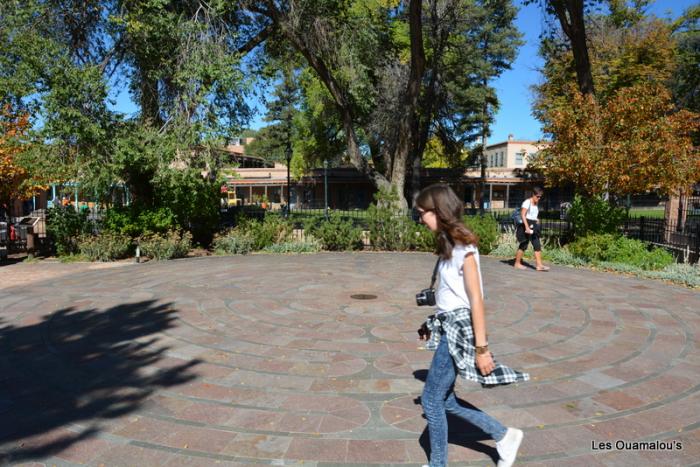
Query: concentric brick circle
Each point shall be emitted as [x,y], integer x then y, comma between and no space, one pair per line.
[267,359]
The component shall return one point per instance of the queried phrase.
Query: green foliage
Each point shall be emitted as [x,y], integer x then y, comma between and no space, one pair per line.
[686,80]
[486,228]
[389,226]
[561,256]
[135,221]
[307,246]
[686,274]
[594,216]
[194,201]
[506,245]
[234,242]
[334,234]
[104,247]
[72,258]
[64,225]
[274,229]
[617,249]
[420,237]
[166,246]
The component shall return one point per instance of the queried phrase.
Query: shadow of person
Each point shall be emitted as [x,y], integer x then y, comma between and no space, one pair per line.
[459,431]
[78,367]
[511,263]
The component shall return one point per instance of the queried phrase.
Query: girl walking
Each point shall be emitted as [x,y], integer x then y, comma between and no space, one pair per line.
[458,330]
[528,231]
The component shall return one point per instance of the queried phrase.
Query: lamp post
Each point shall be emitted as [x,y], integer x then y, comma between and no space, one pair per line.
[325,188]
[288,153]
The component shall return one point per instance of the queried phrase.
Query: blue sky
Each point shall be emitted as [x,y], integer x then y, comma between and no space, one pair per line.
[513,87]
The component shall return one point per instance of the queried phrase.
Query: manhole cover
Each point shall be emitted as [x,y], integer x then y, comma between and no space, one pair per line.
[363,296]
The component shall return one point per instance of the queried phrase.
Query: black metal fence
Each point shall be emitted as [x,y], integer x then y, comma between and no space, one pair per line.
[681,239]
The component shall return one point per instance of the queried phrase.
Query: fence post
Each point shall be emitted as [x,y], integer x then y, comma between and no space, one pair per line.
[641,228]
[697,245]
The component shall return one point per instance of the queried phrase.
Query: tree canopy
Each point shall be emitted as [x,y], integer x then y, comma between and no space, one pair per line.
[378,78]
[389,75]
[631,136]
[14,179]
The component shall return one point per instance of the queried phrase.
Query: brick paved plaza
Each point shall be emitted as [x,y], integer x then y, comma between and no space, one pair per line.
[267,359]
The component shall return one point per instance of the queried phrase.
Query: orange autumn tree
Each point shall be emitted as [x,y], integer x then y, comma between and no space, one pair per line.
[13,177]
[636,142]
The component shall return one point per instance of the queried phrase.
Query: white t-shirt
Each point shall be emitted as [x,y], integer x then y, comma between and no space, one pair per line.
[451,293]
[532,210]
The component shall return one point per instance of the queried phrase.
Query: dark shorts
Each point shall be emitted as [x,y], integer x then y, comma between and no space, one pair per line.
[524,239]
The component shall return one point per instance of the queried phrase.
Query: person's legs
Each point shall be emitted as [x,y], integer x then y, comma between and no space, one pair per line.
[481,420]
[537,245]
[522,246]
[441,377]
[518,264]
[538,261]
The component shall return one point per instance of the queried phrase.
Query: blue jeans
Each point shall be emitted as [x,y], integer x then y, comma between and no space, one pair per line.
[439,398]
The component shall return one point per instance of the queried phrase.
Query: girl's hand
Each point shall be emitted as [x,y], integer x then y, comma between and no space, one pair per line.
[484,363]
[423,333]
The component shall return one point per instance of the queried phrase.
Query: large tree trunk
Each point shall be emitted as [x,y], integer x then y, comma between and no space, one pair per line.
[571,17]
[409,124]
[149,100]
[404,152]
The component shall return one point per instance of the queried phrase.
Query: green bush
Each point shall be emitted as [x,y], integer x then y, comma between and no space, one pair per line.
[594,216]
[420,238]
[166,246]
[104,247]
[334,234]
[617,249]
[234,242]
[64,225]
[390,229]
[193,199]
[309,245]
[135,221]
[486,228]
[274,229]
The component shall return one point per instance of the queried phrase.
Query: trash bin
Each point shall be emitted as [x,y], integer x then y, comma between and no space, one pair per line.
[564,211]
[3,240]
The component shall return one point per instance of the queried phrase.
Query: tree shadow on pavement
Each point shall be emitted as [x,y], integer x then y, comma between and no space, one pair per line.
[79,367]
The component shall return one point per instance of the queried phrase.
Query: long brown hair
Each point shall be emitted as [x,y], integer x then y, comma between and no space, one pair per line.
[448,210]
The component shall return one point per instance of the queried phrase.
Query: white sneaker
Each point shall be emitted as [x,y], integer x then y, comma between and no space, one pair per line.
[508,447]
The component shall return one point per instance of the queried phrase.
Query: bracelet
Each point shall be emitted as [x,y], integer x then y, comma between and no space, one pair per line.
[482,349]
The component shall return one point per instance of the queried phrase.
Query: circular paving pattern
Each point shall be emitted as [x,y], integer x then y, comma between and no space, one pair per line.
[269,359]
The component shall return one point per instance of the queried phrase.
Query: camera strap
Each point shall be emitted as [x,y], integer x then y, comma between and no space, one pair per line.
[435,270]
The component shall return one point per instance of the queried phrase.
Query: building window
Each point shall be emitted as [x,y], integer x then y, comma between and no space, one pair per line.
[519,158]
[500,161]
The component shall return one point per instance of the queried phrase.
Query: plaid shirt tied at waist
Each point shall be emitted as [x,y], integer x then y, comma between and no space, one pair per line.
[457,326]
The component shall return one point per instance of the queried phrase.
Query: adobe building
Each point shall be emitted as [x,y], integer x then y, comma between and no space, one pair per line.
[507,183]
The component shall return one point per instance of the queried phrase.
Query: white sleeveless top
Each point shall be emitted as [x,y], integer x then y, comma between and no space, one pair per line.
[451,292]
[532,210]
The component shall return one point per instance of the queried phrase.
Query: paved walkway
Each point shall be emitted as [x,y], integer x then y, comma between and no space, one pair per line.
[268,359]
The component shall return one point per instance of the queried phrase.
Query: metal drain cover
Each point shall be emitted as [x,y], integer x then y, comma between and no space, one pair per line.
[363,296]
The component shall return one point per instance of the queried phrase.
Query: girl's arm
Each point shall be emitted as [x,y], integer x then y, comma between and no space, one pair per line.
[472,284]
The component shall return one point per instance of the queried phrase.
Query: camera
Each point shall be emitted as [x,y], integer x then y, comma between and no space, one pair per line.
[426,297]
